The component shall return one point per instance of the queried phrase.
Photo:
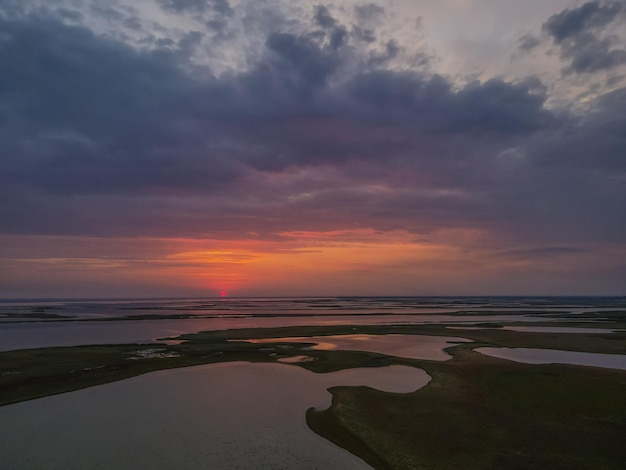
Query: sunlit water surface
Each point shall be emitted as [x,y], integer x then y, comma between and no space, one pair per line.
[408,346]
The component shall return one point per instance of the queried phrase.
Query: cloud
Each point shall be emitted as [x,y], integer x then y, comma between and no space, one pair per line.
[578,32]
[528,42]
[102,137]
[304,65]
[323,18]
[590,16]
[215,15]
[542,252]
[369,13]
[431,103]
[596,55]
[197,6]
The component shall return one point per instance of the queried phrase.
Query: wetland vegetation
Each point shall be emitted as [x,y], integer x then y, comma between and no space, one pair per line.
[478,412]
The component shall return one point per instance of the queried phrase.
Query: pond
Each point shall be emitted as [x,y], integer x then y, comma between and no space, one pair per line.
[222,416]
[547,356]
[541,329]
[408,346]
[28,335]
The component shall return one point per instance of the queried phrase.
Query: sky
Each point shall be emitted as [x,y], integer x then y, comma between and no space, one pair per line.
[290,148]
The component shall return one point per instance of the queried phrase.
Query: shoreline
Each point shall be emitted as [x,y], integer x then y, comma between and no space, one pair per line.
[469,388]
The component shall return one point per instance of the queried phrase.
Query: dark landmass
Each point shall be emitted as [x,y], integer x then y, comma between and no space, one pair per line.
[484,413]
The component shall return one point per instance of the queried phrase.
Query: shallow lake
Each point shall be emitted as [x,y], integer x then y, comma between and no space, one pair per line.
[409,346]
[557,329]
[218,416]
[46,334]
[547,356]
[540,329]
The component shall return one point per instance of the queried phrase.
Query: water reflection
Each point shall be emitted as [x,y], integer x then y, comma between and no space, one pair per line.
[222,416]
[46,323]
[539,329]
[409,346]
[546,356]
[49,334]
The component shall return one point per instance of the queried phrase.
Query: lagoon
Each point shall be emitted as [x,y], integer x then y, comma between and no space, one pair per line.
[226,416]
[407,346]
[45,334]
[549,356]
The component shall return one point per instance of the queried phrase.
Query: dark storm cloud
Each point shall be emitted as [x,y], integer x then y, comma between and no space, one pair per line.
[577,32]
[99,137]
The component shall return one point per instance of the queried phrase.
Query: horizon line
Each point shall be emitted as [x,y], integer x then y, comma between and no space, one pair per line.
[216,297]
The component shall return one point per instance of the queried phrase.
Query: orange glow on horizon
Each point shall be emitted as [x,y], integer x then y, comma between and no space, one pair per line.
[358,262]
[307,259]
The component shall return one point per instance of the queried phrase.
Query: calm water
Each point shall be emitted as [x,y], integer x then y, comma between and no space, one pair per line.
[34,324]
[550,356]
[409,346]
[218,416]
[229,415]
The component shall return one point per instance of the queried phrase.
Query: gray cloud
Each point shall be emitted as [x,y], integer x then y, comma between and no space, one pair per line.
[590,16]
[528,42]
[323,17]
[338,37]
[594,55]
[102,138]
[195,6]
[391,51]
[215,14]
[578,33]
[542,252]
[103,116]
[303,65]
[369,12]
[431,104]
[367,35]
